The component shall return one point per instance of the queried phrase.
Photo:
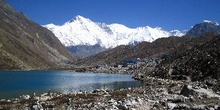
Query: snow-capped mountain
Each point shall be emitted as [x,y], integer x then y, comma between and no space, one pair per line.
[204,27]
[83,31]
[211,22]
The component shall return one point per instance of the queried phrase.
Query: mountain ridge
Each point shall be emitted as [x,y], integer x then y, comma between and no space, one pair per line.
[72,33]
[85,38]
[85,34]
[25,44]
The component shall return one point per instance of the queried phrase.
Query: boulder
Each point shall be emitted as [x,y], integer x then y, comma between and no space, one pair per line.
[25,97]
[199,107]
[36,107]
[186,91]
[176,99]
[171,105]
[182,107]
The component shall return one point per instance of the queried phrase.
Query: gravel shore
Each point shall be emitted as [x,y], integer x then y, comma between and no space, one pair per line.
[155,94]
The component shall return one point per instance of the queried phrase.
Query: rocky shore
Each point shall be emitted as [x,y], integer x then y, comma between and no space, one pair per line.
[155,94]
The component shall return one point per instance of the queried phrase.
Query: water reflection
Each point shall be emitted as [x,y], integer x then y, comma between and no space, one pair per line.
[16,83]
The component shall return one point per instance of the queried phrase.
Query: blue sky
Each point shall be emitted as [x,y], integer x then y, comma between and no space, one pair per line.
[168,14]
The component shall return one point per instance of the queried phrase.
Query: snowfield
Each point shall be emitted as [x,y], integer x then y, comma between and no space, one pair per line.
[83,31]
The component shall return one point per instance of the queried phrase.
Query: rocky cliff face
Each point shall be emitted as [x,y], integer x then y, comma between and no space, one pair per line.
[26,45]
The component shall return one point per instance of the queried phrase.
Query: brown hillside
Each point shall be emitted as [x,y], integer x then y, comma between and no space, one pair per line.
[170,45]
[25,44]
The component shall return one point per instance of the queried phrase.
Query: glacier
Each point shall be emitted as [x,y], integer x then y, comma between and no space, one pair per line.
[83,31]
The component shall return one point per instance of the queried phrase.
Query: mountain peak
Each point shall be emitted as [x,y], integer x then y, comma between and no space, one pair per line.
[204,27]
[211,22]
[82,31]
[79,18]
[207,21]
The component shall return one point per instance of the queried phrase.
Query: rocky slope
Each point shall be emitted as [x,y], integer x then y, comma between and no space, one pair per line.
[170,45]
[199,63]
[189,58]
[25,44]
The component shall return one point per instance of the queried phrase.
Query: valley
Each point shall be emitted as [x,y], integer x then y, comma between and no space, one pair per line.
[177,69]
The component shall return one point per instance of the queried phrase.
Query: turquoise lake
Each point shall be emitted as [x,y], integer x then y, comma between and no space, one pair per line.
[16,83]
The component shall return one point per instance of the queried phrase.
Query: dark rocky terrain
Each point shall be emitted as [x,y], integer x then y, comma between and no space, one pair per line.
[26,45]
[190,58]
[201,63]
[170,45]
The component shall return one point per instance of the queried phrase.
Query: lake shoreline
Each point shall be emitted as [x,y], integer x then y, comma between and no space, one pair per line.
[155,94]
[13,83]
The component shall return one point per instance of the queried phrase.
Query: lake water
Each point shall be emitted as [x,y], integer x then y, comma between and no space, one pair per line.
[16,83]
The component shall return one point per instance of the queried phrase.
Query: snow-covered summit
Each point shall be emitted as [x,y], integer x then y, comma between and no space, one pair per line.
[208,21]
[178,33]
[83,31]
